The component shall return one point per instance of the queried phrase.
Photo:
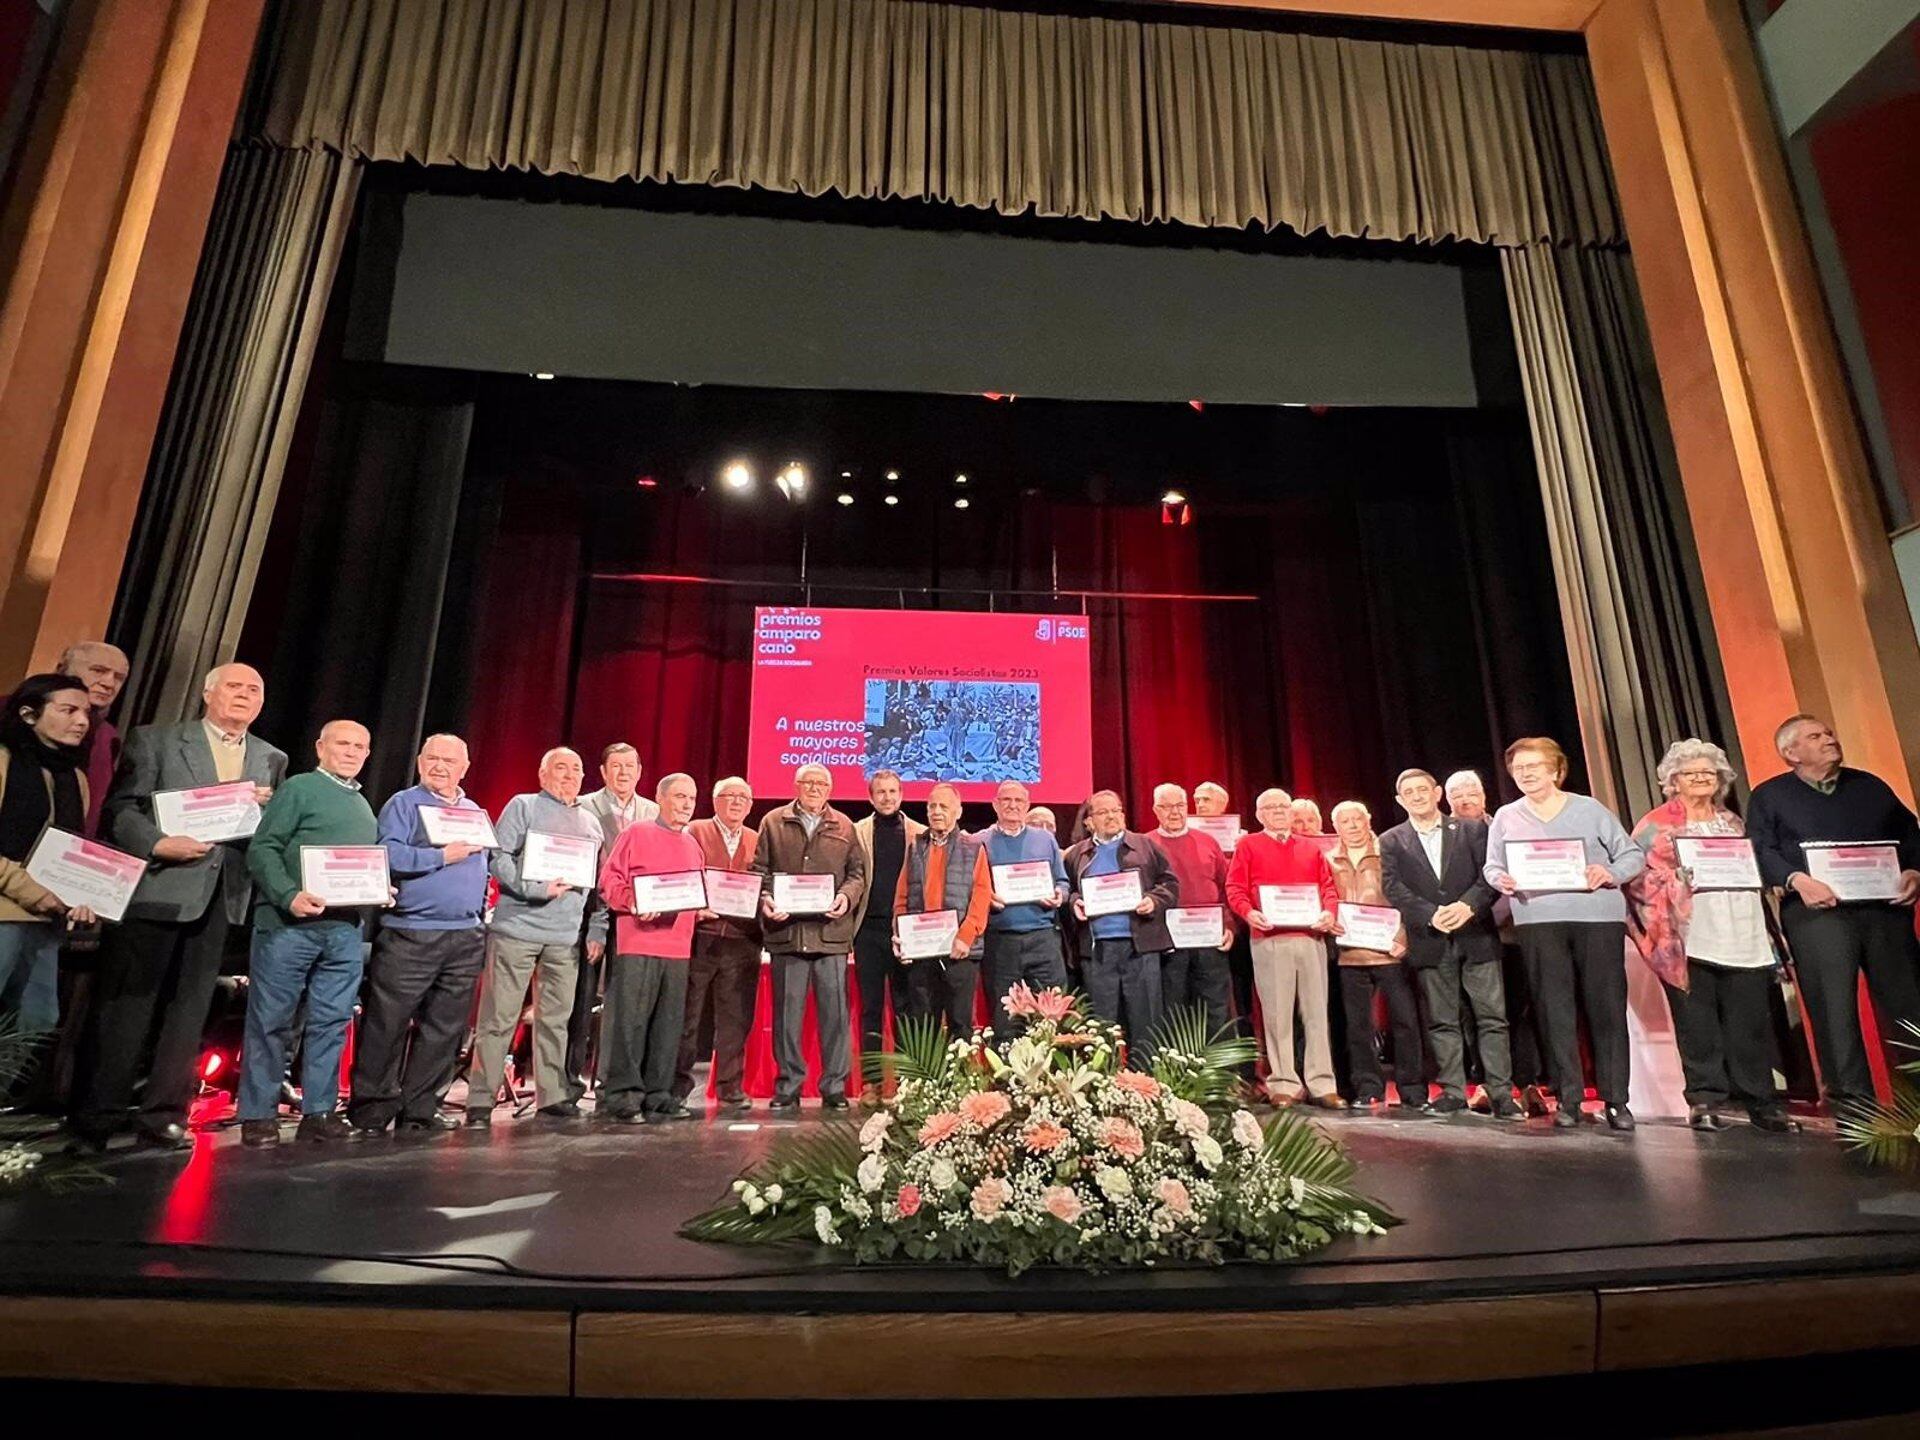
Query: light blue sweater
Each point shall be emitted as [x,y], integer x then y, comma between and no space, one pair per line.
[1581,818]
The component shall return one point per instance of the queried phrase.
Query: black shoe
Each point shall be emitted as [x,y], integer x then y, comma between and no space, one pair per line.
[257,1134]
[736,1105]
[1449,1105]
[425,1124]
[785,1106]
[1565,1119]
[1367,1102]
[1533,1100]
[323,1129]
[88,1142]
[1505,1107]
[1701,1117]
[565,1110]
[622,1117]
[480,1117]
[1480,1104]
[833,1102]
[1772,1118]
[170,1136]
[679,1110]
[1619,1117]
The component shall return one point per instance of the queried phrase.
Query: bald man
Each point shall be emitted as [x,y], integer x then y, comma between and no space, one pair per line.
[159,965]
[102,668]
[304,949]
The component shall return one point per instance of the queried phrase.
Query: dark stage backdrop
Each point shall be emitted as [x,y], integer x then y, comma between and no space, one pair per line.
[1407,617]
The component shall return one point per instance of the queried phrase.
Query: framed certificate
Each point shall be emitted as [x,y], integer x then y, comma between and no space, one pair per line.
[669,894]
[208,813]
[1290,907]
[573,858]
[928,935]
[1225,829]
[1718,862]
[451,825]
[345,875]
[1367,927]
[1024,882]
[1538,865]
[1868,871]
[804,894]
[85,873]
[1201,927]
[1114,894]
[733,893]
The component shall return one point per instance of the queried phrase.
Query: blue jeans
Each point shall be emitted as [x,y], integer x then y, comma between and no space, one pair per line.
[322,961]
[30,972]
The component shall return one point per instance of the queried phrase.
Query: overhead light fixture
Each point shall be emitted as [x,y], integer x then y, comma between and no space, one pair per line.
[792,481]
[893,475]
[960,479]
[890,499]
[846,474]
[844,498]
[543,374]
[737,476]
[961,503]
[1173,497]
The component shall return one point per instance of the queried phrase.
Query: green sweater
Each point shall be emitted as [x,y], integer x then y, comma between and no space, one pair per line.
[309,809]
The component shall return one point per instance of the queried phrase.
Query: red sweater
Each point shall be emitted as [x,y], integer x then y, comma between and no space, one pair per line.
[649,848]
[1200,865]
[1262,860]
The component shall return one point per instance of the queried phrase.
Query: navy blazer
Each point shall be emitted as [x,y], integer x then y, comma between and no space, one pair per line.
[1416,892]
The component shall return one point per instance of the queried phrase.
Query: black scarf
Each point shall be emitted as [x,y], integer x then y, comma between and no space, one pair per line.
[24,808]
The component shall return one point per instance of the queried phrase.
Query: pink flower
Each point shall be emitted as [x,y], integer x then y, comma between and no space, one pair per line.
[1137,1083]
[1020,1001]
[907,1202]
[990,1197]
[1042,1136]
[1122,1137]
[985,1108]
[1054,1005]
[1189,1119]
[1062,1204]
[938,1127]
[1172,1194]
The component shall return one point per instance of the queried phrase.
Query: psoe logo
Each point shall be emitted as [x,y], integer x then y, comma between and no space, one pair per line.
[1044,630]
[1059,630]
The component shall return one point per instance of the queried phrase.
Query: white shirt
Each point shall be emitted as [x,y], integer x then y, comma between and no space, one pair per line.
[730,838]
[1729,927]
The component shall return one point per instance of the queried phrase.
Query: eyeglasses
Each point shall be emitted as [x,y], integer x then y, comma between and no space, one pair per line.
[1698,774]
[1532,767]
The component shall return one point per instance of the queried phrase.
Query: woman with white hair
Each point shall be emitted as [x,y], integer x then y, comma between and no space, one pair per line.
[1709,947]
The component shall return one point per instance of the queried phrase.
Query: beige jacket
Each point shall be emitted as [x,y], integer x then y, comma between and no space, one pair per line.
[19,891]
[863,830]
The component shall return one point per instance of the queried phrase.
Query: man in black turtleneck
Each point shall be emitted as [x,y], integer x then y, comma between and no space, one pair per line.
[884,835]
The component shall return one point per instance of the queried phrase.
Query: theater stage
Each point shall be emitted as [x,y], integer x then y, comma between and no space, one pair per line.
[543,1259]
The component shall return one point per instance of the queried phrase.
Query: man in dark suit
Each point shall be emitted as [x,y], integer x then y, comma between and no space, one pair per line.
[166,956]
[1431,866]
[1121,954]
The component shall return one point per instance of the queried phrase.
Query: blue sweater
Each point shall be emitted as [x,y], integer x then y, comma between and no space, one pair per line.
[1030,844]
[433,894]
[1106,861]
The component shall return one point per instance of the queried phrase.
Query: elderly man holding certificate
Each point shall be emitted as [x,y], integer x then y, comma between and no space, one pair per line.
[654,884]
[1698,919]
[1029,887]
[319,868]
[1845,852]
[547,863]
[723,977]
[1563,858]
[1372,944]
[814,872]
[1281,885]
[1124,885]
[940,913]
[1196,968]
[430,949]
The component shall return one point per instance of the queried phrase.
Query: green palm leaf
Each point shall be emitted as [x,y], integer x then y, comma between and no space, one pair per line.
[1197,1064]
[920,1052]
[1302,1151]
[810,1169]
[1885,1134]
[20,1049]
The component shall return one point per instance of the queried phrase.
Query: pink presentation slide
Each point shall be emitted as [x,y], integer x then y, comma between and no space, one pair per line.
[934,694]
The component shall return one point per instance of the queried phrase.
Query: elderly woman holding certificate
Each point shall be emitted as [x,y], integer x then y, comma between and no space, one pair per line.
[1696,915]
[1563,858]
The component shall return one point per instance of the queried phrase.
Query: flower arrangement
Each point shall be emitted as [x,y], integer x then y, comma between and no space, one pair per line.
[22,1162]
[1889,1134]
[1049,1152]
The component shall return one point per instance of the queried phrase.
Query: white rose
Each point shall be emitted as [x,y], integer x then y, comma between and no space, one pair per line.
[942,1176]
[873,1134]
[1189,1119]
[774,1194]
[1114,1182]
[872,1171]
[1207,1151]
[823,1225]
[1247,1130]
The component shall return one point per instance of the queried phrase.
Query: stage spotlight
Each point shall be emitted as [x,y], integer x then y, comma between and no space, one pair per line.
[891,499]
[893,475]
[960,479]
[846,474]
[737,476]
[543,374]
[1173,497]
[844,498]
[792,481]
[961,503]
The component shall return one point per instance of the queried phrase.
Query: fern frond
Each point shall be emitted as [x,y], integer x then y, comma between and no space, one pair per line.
[1196,1064]
[1887,1135]
[920,1052]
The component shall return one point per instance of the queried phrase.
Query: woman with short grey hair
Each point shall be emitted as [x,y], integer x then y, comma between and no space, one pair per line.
[1708,944]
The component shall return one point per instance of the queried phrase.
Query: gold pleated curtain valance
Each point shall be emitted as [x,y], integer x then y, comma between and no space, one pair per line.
[996,109]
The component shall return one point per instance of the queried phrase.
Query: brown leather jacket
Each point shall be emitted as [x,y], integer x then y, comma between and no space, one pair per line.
[785,849]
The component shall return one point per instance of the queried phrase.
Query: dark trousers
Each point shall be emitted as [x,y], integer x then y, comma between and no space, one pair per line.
[1357,984]
[1240,978]
[1830,949]
[413,1014]
[1723,1024]
[1197,977]
[1029,957]
[152,975]
[723,979]
[582,1029]
[640,1032]
[1123,988]
[795,973]
[935,989]
[1524,1045]
[1569,958]
[1442,985]
[877,972]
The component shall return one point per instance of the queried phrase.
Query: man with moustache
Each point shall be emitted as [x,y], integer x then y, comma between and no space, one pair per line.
[1120,955]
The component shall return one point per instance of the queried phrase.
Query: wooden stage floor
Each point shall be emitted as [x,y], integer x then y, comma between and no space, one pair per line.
[543,1259]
